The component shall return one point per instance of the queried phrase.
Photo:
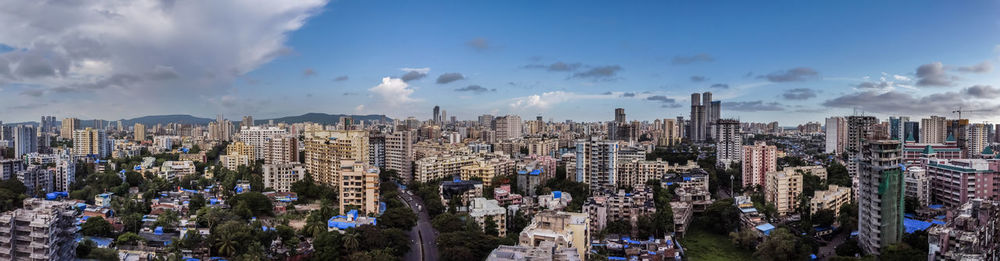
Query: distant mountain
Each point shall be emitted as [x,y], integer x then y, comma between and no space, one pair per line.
[324,118]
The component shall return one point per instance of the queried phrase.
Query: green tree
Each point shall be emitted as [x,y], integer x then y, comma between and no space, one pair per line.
[351,241]
[84,247]
[491,227]
[96,227]
[226,244]
[823,218]
[781,245]
[836,174]
[745,239]
[398,217]
[848,248]
[129,238]
[901,252]
[724,216]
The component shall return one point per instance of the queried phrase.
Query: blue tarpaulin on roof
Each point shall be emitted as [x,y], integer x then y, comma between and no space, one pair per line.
[936,206]
[766,228]
[913,225]
[557,194]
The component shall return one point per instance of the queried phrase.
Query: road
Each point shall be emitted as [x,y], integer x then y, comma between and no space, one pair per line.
[423,235]
[829,250]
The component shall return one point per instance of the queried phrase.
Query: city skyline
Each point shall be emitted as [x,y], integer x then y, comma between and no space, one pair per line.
[555,60]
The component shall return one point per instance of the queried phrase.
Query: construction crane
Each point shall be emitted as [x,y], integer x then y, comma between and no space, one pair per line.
[960,111]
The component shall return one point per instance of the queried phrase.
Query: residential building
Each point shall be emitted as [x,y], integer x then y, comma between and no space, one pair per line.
[399,154]
[281,176]
[635,173]
[683,213]
[758,160]
[782,188]
[563,229]
[90,142]
[240,148]
[483,210]
[933,130]
[359,186]
[324,150]
[508,127]
[376,150]
[37,179]
[544,251]
[258,137]
[480,169]
[41,231]
[859,130]
[620,206]
[595,164]
[171,170]
[534,171]
[836,135]
[139,132]
[25,140]
[728,142]
[281,149]
[233,162]
[956,181]
[505,197]
[68,126]
[970,233]
[880,196]
[918,185]
[976,138]
[10,167]
[461,190]
[832,198]
[897,130]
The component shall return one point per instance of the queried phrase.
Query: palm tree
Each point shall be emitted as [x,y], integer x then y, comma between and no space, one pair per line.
[351,241]
[226,244]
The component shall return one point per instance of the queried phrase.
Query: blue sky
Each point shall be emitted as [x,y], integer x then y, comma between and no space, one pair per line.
[790,61]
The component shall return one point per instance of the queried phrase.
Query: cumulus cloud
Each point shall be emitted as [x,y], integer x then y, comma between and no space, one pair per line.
[413,74]
[720,86]
[608,72]
[172,50]
[934,74]
[393,92]
[698,78]
[549,99]
[796,74]
[341,78]
[697,58]
[799,94]
[983,67]
[982,92]
[449,77]
[752,106]
[475,89]
[479,44]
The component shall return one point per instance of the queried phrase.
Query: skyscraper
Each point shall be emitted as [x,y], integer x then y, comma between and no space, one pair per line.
[933,130]
[139,132]
[620,129]
[881,195]
[836,135]
[68,126]
[704,113]
[246,122]
[729,143]
[911,131]
[508,127]
[859,130]
[897,130]
[595,164]
[619,115]
[976,139]
[670,133]
[437,114]
[25,140]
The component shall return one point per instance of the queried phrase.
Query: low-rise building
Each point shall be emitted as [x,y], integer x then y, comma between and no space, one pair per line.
[619,206]
[171,170]
[563,229]
[832,198]
[351,219]
[461,190]
[233,162]
[483,210]
[281,176]
[970,233]
[682,216]
[557,200]
[544,251]
[503,195]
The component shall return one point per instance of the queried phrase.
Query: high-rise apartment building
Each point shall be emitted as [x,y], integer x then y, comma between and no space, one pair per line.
[139,132]
[620,129]
[376,150]
[918,185]
[897,128]
[246,122]
[281,176]
[68,126]
[859,130]
[758,160]
[258,137]
[596,163]
[729,142]
[359,187]
[221,129]
[281,149]
[933,130]
[782,188]
[880,195]
[25,140]
[324,150]
[976,139]
[508,127]
[670,133]
[399,153]
[436,117]
[90,141]
[47,125]
[911,131]
[486,120]
[836,135]
[41,231]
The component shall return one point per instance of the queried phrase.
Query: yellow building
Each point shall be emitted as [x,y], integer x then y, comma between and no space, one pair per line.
[325,149]
[240,148]
[359,187]
[139,132]
[782,189]
[832,198]
[563,229]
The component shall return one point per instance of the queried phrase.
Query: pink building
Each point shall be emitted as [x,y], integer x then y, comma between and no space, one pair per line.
[504,197]
[758,160]
[954,182]
[913,152]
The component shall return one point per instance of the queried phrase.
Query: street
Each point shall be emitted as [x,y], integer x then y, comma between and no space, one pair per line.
[423,235]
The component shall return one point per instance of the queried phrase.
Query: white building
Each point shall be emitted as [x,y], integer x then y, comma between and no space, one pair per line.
[281,176]
[729,143]
[258,137]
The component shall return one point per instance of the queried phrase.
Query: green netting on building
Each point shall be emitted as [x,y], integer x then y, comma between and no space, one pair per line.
[891,189]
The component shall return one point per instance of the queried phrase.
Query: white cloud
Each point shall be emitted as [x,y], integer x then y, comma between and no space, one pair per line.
[546,100]
[172,50]
[359,108]
[393,92]
[424,70]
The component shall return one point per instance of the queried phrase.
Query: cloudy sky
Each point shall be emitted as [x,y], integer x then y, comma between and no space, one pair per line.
[787,61]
